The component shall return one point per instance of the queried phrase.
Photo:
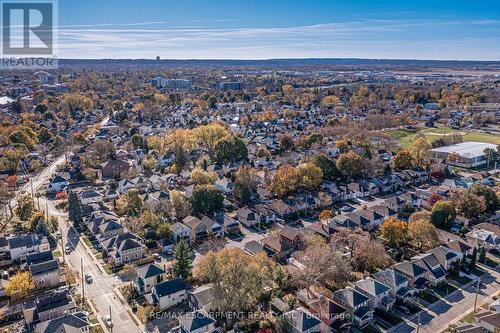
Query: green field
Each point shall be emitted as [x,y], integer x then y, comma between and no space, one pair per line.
[406,137]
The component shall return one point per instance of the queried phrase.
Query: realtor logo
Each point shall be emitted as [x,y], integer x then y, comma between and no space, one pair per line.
[28,27]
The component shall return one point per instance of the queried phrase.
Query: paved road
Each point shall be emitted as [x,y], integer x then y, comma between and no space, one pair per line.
[454,307]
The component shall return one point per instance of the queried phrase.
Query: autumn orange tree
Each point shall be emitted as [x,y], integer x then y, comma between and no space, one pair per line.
[422,234]
[394,232]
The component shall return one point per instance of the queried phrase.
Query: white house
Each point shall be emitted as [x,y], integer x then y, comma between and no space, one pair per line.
[169,293]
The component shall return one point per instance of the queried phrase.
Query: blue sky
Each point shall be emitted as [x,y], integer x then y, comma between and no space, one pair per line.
[238,29]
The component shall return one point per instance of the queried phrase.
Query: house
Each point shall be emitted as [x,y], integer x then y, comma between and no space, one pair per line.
[253,247]
[91,196]
[247,217]
[48,306]
[281,209]
[114,168]
[397,283]
[124,248]
[483,238]
[197,229]
[460,248]
[148,276]
[180,232]
[445,256]
[291,236]
[302,321]
[214,228]
[377,292]
[395,203]
[434,272]
[357,304]
[201,298]
[20,246]
[44,269]
[413,272]
[57,184]
[275,247]
[334,317]
[169,293]
[73,322]
[197,322]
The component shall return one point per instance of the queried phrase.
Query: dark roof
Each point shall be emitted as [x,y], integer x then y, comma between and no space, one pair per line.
[170,287]
[43,267]
[64,324]
[149,270]
[20,241]
[36,258]
[409,268]
[350,297]
[302,320]
[195,320]
[371,286]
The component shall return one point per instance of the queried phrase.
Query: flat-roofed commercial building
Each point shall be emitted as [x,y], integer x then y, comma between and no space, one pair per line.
[465,154]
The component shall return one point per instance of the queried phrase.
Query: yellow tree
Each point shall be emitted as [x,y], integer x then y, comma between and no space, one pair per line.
[209,135]
[284,181]
[403,160]
[422,234]
[20,285]
[421,152]
[394,232]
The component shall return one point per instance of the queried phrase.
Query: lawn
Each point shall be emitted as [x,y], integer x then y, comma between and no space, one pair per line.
[87,241]
[428,297]
[444,289]
[468,318]
[96,329]
[406,137]
[460,279]
[57,253]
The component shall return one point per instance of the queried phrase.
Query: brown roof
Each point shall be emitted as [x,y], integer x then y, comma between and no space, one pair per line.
[289,233]
[458,246]
[489,227]
[273,242]
[492,319]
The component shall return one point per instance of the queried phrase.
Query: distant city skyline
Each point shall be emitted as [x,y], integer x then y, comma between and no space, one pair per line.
[220,29]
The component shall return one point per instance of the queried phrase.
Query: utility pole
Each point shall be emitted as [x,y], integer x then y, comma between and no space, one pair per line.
[477,292]
[111,328]
[62,245]
[83,283]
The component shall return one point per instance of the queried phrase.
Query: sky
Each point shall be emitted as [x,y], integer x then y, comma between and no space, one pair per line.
[256,29]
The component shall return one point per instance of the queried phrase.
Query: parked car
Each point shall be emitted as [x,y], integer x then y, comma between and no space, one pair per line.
[108,321]
[67,249]
[88,278]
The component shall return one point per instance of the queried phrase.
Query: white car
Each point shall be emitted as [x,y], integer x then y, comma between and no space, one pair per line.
[108,321]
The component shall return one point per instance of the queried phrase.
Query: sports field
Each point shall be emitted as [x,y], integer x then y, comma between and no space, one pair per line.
[407,137]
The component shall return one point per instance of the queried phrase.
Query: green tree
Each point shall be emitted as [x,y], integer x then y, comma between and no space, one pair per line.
[350,164]
[327,165]
[137,141]
[74,207]
[472,262]
[206,199]
[482,255]
[443,214]
[244,184]
[491,199]
[309,176]
[182,261]
[230,149]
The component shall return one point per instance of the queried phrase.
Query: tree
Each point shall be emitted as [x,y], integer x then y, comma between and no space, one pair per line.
[327,165]
[326,214]
[421,152]
[20,285]
[182,261]
[230,149]
[287,89]
[286,142]
[244,184]
[74,207]
[25,207]
[12,180]
[239,280]
[491,199]
[180,204]
[433,198]
[422,234]
[137,141]
[443,214]
[130,203]
[394,232]
[350,164]
[342,146]
[403,160]
[149,163]
[285,181]
[472,262]
[206,199]
[322,265]
[468,204]
[482,255]
[163,231]
[202,177]
[309,176]
[208,135]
